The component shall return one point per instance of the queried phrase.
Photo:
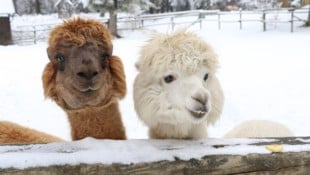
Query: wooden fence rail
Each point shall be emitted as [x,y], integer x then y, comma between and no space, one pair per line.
[210,156]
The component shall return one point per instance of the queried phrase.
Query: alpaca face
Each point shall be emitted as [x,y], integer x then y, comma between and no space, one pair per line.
[176,92]
[173,97]
[83,75]
[187,95]
[82,70]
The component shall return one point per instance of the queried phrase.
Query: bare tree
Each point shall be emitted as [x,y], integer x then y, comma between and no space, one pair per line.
[112,7]
[37,6]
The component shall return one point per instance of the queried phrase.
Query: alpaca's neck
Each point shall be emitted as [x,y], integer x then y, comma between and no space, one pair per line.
[179,131]
[98,122]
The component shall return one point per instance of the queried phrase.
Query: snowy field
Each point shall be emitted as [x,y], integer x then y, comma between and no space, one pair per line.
[265,75]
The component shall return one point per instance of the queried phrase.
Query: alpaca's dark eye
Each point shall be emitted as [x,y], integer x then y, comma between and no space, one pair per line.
[104,56]
[169,78]
[60,58]
[104,59]
[206,77]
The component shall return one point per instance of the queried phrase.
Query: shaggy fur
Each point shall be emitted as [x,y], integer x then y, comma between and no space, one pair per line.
[184,107]
[259,128]
[85,79]
[11,133]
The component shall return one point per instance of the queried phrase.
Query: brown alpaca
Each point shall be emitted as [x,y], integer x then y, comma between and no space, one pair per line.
[84,79]
[13,133]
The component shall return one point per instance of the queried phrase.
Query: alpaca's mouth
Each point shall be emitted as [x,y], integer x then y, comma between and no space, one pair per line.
[88,89]
[199,113]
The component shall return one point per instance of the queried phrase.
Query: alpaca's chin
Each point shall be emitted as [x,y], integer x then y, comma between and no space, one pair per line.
[194,120]
[77,99]
[81,104]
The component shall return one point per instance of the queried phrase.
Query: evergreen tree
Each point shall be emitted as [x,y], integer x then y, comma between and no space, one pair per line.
[115,6]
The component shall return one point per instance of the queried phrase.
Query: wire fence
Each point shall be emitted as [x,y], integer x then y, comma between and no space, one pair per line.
[29,34]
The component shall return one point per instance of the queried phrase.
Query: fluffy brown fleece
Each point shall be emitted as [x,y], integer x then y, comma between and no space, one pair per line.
[84,79]
[11,133]
[92,112]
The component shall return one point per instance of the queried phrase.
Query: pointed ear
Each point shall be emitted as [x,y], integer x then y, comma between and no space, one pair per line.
[49,81]
[118,75]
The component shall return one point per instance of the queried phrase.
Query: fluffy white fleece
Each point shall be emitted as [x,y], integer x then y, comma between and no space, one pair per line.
[259,128]
[176,92]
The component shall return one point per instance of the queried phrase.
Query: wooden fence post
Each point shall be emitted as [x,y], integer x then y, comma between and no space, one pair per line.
[219,20]
[142,24]
[200,22]
[264,21]
[172,23]
[201,16]
[240,18]
[34,35]
[292,20]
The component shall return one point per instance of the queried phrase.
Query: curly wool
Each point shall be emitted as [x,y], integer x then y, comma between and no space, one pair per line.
[164,107]
[178,50]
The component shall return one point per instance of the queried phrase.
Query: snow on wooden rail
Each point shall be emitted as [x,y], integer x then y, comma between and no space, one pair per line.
[211,156]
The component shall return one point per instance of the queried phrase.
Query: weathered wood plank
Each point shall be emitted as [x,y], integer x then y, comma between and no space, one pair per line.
[283,162]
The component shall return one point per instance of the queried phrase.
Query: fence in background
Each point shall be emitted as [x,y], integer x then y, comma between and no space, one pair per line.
[32,34]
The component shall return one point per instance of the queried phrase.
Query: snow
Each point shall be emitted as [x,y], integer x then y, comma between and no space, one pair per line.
[265,75]
[92,151]
[7,7]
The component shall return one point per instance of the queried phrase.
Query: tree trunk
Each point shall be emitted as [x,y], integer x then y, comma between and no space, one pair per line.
[112,25]
[308,21]
[37,7]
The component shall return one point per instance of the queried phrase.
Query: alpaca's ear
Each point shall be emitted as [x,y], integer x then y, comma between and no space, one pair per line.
[48,79]
[118,75]
[49,53]
[111,46]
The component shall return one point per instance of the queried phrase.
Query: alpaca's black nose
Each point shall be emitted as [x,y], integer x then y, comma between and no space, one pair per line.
[88,75]
[87,70]
[202,99]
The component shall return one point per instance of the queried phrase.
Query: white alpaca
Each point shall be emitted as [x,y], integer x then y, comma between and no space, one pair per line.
[259,128]
[176,92]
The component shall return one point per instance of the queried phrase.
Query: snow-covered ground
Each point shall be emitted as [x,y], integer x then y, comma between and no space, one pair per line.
[264,75]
